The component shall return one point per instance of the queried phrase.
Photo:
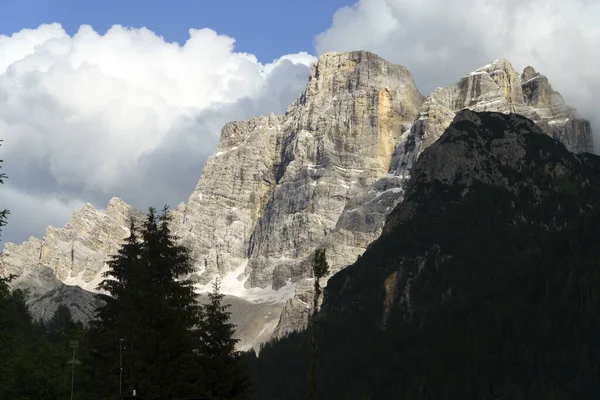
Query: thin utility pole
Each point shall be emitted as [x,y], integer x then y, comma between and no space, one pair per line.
[121,367]
[73,344]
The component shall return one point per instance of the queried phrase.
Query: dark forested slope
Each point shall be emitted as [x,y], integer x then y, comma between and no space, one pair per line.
[484,284]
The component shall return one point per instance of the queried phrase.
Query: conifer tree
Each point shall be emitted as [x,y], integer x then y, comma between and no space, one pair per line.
[224,372]
[61,326]
[153,310]
[320,269]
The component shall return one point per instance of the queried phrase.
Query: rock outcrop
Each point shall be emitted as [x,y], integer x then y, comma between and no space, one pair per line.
[236,182]
[324,175]
[338,140]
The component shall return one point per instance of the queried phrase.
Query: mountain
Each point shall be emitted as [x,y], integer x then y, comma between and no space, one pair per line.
[324,175]
[481,285]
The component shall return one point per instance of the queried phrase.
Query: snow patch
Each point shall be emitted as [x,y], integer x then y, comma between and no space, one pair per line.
[231,284]
[306,133]
[349,169]
[392,190]
[556,121]
[220,153]
[90,286]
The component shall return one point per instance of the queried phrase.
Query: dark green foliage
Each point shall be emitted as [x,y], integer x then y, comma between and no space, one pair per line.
[61,325]
[320,266]
[31,365]
[493,293]
[155,313]
[223,368]
[320,269]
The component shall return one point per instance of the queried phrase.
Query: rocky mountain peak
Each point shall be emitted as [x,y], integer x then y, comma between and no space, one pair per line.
[235,132]
[337,73]
[118,208]
[528,73]
[74,254]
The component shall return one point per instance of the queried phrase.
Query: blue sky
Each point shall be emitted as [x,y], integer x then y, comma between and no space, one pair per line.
[266,28]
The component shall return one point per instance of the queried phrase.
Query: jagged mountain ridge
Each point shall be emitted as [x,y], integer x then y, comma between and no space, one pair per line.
[325,174]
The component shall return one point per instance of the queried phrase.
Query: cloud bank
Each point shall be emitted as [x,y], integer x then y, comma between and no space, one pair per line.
[439,41]
[89,116]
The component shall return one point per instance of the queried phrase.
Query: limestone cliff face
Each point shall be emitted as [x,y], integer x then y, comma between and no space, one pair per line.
[276,186]
[338,140]
[237,180]
[74,255]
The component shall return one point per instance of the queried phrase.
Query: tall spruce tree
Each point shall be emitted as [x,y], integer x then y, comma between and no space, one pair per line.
[320,269]
[154,311]
[224,371]
[61,326]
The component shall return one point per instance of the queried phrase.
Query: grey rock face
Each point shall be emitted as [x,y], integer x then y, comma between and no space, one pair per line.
[76,253]
[339,137]
[276,186]
[496,87]
[81,303]
[222,212]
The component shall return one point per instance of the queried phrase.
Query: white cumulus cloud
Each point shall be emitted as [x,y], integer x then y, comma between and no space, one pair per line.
[90,116]
[440,40]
